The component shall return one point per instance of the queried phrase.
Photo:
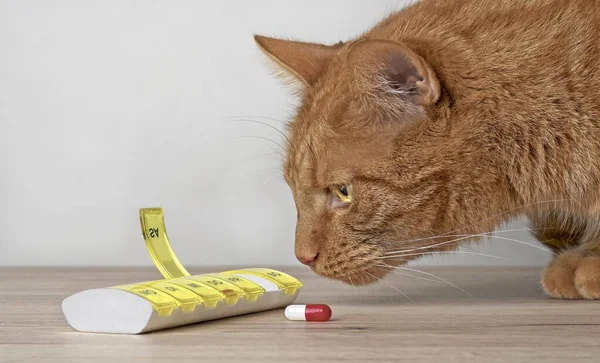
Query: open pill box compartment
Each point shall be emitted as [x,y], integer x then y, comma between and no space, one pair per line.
[148,306]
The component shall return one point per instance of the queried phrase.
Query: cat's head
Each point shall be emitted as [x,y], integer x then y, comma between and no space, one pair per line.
[371,162]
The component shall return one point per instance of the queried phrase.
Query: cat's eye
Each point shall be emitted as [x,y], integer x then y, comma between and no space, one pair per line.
[342,193]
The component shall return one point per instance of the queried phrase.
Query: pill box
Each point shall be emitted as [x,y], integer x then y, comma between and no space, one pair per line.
[180,298]
[153,305]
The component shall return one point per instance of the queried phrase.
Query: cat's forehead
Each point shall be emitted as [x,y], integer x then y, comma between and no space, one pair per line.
[321,109]
[303,152]
[331,115]
[314,143]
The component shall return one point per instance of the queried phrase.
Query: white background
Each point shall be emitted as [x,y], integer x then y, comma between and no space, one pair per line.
[110,106]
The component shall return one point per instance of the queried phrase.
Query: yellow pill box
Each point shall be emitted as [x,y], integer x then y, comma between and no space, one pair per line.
[180,298]
[148,306]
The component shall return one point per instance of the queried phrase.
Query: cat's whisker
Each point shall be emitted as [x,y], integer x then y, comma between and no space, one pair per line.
[362,280]
[352,284]
[275,156]
[464,237]
[261,123]
[262,138]
[429,238]
[259,117]
[442,252]
[393,269]
[390,285]
[435,277]
[467,247]
[479,234]
[484,234]
[470,237]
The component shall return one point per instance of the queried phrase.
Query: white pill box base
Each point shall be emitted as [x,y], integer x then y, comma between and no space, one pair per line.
[114,311]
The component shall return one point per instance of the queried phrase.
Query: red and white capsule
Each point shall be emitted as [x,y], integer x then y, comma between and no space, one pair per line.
[310,312]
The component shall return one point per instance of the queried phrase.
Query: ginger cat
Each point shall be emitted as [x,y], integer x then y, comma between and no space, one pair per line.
[445,120]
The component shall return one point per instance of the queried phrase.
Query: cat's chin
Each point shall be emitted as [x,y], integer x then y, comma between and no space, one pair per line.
[358,278]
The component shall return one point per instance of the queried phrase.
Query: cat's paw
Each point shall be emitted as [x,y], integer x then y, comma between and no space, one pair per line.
[573,276]
[559,276]
[587,277]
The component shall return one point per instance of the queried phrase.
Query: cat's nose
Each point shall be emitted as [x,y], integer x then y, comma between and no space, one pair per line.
[308,260]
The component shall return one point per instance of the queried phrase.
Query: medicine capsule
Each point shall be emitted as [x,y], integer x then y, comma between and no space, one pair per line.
[310,312]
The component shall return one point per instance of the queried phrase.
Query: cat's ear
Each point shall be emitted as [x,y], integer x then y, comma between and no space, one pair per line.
[395,69]
[304,62]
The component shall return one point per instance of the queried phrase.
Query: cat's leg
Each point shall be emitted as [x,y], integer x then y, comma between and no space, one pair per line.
[574,273]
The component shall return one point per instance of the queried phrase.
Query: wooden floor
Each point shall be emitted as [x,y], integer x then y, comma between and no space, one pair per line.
[507,319]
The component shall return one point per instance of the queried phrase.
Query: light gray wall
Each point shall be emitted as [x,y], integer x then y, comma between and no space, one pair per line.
[109,106]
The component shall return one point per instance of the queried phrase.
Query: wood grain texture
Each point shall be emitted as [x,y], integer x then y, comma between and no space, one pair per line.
[507,318]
